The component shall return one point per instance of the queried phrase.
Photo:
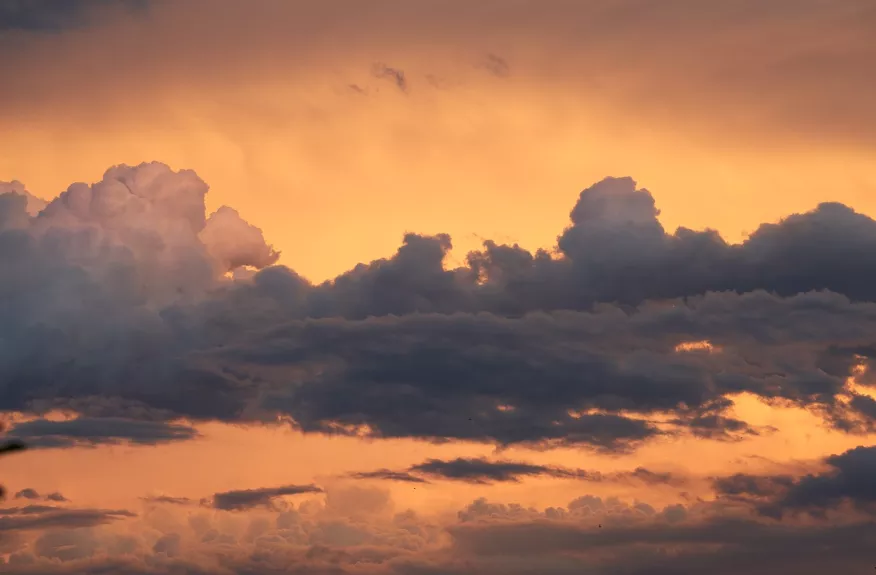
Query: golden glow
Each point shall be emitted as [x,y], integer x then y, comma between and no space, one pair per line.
[704,345]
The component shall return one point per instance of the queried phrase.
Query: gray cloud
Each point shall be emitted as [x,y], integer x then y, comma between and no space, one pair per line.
[850,478]
[44,433]
[119,306]
[483,471]
[44,517]
[54,15]
[388,475]
[249,498]
[27,493]
[589,534]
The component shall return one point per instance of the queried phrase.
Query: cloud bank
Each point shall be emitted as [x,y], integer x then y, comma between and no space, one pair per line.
[356,532]
[124,301]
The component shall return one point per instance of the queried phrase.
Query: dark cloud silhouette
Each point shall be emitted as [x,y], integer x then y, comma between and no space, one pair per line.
[748,485]
[29,509]
[27,493]
[120,305]
[44,433]
[249,498]
[483,471]
[39,517]
[388,475]
[850,478]
[56,15]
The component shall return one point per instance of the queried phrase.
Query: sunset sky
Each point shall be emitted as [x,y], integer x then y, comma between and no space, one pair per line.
[438,287]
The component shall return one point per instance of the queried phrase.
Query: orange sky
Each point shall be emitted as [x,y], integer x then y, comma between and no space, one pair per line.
[269,121]
[730,117]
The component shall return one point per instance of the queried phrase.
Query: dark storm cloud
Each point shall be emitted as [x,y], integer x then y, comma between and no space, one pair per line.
[44,433]
[55,15]
[117,304]
[239,500]
[851,477]
[745,484]
[847,481]
[483,472]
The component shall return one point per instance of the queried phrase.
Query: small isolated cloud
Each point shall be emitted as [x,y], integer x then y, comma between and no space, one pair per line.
[239,500]
[395,75]
[483,472]
[167,500]
[33,494]
[388,475]
[496,65]
[27,493]
[89,432]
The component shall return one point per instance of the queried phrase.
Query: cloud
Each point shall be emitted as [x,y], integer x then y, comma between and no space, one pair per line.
[848,479]
[27,493]
[83,431]
[589,534]
[496,65]
[39,517]
[388,475]
[54,16]
[120,309]
[382,71]
[166,499]
[657,65]
[249,498]
[483,472]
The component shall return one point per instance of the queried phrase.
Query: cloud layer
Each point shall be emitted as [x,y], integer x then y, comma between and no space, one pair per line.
[352,531]
[119,302]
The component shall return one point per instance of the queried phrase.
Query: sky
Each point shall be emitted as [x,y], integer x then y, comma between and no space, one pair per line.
[438,287]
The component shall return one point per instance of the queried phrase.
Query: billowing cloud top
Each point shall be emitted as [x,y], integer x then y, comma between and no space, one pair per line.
[118,303]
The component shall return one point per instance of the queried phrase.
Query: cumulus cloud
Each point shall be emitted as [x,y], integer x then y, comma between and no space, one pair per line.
[589,534]
[119,305]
